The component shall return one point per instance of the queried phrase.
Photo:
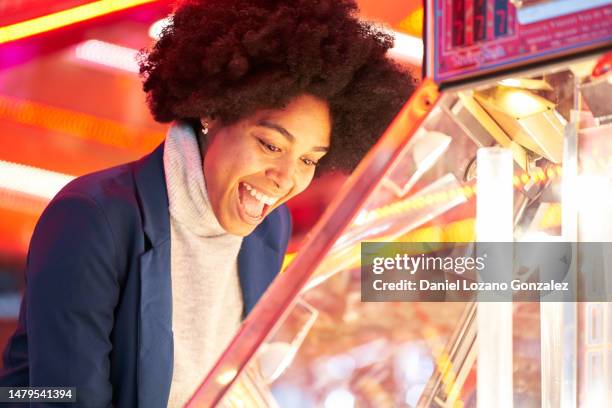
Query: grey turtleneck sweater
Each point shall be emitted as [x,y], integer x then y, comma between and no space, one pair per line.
[206,296]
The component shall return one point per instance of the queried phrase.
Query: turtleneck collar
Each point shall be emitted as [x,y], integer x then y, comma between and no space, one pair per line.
[187,195]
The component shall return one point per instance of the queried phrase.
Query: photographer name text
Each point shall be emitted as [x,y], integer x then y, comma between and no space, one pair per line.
[465,285]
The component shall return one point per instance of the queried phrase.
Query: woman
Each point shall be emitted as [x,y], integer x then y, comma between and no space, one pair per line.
[138,276]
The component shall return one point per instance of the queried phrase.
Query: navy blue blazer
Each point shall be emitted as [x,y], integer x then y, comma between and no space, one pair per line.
[97,312]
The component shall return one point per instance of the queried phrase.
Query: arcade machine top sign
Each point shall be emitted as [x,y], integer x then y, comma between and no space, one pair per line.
[467,38]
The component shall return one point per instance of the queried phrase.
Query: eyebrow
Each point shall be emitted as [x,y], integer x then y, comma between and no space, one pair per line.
[286,134]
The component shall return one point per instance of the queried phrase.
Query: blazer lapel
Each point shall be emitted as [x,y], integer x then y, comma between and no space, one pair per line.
[156,346]
[156,351]
[259,260]
[256,267]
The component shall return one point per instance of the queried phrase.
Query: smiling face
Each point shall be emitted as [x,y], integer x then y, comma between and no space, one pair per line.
[258,163]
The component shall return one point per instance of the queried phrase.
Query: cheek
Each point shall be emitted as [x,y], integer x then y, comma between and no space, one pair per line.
[211,164]
[230,162]
[302,183]
[216,173]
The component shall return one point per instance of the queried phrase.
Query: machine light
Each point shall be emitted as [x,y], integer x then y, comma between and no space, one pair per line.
[64,18]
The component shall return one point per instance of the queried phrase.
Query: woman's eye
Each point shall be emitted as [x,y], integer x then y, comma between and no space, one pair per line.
[309,162]
[269,146]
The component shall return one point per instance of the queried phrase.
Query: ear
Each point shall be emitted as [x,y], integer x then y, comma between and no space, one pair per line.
[208,129]
[208,124]
[204,126]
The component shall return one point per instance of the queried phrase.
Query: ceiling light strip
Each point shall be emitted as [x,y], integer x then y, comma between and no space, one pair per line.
[108,54]
[32,180]
[408,48]
[157,28]
[64,18]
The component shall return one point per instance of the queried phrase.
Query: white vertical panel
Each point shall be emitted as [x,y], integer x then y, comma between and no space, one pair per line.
[494,223]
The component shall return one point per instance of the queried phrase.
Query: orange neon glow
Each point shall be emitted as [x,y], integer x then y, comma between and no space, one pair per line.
[22,203]
[79,125]
[16,231]
[64,18]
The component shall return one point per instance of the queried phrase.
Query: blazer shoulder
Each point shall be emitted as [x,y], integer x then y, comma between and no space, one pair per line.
[103,185]
[113,191]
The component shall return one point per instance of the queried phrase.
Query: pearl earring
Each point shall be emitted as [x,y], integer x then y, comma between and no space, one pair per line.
[205,128]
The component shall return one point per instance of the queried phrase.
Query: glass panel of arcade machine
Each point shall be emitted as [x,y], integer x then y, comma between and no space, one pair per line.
[331,349]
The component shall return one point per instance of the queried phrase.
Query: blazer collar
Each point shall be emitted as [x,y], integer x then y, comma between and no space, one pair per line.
[153,195]
[258,265]
[259,258]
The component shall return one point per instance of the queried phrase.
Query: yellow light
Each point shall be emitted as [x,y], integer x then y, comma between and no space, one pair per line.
[413,24]
[525,178]
[552,217]
[65,17]
[517,103]
[602,163]
[430,332]
[287,260]
[227,376]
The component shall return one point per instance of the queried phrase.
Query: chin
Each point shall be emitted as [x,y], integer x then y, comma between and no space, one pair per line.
[243,232]
[238,228]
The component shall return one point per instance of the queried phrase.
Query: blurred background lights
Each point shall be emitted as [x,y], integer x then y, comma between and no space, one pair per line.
[110,55]
[413,394]
[340,398]
[407,47]
[290,395]
[157,27]
[413,24]
[340,366]
[31,180]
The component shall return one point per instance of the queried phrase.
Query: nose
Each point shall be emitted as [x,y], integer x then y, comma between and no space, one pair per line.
[282,175]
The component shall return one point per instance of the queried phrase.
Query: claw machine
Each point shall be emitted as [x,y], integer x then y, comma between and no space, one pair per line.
[509,140]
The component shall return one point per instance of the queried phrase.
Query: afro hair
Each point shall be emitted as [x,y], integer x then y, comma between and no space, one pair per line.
[230,58]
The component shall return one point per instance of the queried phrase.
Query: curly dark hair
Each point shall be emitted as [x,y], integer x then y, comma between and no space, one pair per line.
[229,58]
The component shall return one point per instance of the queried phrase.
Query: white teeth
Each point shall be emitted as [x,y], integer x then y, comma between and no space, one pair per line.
[260,196]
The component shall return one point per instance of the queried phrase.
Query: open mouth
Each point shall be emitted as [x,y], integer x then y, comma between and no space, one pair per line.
[254,205]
